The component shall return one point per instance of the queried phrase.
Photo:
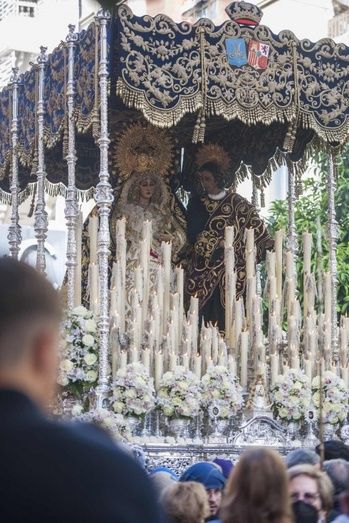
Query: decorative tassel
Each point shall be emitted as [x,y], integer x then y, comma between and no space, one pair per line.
[262,198]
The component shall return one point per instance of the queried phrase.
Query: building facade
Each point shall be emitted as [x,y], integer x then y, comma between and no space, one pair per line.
[338,27]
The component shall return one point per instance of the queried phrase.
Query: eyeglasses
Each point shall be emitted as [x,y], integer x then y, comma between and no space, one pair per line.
[308,497]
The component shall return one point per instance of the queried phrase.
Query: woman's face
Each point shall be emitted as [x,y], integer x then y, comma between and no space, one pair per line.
[303,488]
[146,188]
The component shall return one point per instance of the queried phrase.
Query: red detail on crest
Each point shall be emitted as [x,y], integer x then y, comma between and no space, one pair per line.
[246,21]
[258,54]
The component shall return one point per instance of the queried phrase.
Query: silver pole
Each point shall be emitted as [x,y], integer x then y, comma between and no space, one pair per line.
[71,205]
[292,234]
[332,248]
[14,233]
[104,200]
[41,218]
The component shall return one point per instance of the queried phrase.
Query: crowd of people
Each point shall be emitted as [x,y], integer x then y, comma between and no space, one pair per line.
[263,487]
[57,472]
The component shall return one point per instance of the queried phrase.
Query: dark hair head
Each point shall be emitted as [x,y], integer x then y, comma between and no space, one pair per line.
[338,472]
[302,456]
[257,490]
[26,299]
[214,169]
[334,450]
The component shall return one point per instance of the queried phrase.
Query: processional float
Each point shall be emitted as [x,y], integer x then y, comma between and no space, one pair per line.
[256,101]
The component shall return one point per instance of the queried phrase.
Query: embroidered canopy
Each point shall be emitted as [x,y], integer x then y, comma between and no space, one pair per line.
[238,84]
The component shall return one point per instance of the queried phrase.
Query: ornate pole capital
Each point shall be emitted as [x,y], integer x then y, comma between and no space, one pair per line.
[103,15]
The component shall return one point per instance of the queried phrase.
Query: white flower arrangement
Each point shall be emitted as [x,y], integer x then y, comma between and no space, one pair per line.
[291,395]
[115,424]
[133,391]
[179,394]
[335,398]
[219,387]
[78,369]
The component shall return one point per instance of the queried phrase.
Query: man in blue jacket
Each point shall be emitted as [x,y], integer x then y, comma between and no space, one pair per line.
[50,472]
[212,479]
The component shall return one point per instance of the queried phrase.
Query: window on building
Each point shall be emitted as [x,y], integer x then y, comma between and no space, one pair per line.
[27,8]
[206,9]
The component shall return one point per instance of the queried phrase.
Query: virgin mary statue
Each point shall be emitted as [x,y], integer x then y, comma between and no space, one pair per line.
[146,197]
[141,161]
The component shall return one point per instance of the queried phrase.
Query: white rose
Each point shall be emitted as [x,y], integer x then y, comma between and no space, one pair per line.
[118,406]
[77,410]
[67,365]
[90,359]
[88,340]
[130,393]
[63,381]
[283,413]
[90,325]
[79,311]
[91,375]
[168,411]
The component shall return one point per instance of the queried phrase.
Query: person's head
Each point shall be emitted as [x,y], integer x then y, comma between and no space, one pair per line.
[308,484]
[211,178]
[226,466]
[302,457]
[30,314]
[210,476]
[334,449]
[161,480]
[338,472]
[147,185]
[185,503]
[257,490]
[304,513]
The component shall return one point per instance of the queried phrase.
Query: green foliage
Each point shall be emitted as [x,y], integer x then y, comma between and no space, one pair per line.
[311,215]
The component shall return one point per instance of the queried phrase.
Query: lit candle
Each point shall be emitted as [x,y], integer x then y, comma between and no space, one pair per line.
[159,369]
[93,287]
[146,359]
[120,240]
[308,369]
[123,360]
[345,375]
[250,254]
[279,238]
[274,364]
[93,234]
[244,346]
[172,361]
[77,284]
[229,236]
[185,361]
[166,262]
[197,366]
[180,291]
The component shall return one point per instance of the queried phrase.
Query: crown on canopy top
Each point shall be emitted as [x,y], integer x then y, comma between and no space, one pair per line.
[244,12]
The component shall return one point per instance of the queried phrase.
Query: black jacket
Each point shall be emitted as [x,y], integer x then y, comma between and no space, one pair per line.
[52,472]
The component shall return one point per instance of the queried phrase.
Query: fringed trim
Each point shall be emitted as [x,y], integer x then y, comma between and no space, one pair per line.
[136,99]
[51,189]
[262,181]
